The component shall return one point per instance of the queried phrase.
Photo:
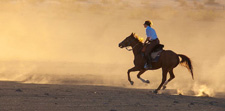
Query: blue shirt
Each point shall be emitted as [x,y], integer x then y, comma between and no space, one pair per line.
[150,32]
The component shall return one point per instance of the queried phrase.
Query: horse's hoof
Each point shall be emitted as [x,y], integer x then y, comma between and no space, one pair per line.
[147,81]
[155,91]
[131,82]
[164,87]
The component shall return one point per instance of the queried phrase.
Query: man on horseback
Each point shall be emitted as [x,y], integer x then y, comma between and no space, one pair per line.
[150,42]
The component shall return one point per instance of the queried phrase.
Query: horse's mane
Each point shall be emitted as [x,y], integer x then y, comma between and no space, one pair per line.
[140,39]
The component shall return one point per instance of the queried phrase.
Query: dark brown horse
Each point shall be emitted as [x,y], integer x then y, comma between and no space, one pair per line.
[168,60]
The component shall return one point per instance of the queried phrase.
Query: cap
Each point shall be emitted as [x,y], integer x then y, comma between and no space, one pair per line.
[148,22]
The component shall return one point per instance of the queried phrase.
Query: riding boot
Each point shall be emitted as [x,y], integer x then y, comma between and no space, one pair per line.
[149,61]
[148,64]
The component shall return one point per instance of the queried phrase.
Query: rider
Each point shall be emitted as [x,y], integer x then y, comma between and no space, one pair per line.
[153,41]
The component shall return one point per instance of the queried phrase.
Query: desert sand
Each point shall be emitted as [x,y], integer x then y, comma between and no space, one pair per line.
[15,96]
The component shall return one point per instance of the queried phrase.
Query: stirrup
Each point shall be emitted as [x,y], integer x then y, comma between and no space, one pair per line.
[148,66]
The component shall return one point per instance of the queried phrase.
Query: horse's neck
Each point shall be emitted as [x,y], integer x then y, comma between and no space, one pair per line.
[137,49]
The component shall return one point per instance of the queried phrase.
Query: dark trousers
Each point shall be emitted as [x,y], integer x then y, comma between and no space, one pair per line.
[149,49]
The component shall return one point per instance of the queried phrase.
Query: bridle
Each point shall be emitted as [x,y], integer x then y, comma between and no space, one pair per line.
[129,43]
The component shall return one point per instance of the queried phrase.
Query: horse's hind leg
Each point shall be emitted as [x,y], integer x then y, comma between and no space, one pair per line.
[172,76]
[139,77]
[164,76]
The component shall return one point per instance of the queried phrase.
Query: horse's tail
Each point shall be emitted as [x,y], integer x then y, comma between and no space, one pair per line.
[186,62]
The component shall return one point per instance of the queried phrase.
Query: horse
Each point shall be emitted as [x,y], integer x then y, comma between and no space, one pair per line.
[168,60]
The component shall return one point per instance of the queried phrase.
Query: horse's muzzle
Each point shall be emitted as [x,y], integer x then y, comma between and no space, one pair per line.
[120,45]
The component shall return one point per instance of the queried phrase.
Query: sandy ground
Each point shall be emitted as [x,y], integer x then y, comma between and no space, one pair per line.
[16,96]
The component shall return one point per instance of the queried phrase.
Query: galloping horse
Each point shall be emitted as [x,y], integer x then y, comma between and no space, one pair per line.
[168,60]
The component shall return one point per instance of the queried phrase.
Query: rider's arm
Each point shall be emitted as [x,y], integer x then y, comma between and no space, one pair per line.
[147,39]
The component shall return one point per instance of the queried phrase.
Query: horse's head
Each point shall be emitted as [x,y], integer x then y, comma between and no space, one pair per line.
[127,41]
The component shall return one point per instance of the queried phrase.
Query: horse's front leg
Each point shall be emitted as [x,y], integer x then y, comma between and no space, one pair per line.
[128,73]
[139,77]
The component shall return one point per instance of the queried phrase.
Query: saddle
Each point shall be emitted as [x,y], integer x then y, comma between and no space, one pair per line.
[155,54]
[158,48]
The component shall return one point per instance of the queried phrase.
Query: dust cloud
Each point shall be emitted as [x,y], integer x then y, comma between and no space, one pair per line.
[76,41]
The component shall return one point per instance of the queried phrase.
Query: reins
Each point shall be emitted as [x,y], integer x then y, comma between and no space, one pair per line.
[132,47]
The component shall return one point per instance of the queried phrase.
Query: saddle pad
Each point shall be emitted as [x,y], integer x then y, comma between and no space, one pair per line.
[155,54]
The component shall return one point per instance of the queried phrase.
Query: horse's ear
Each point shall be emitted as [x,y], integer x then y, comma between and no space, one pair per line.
[132,34]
